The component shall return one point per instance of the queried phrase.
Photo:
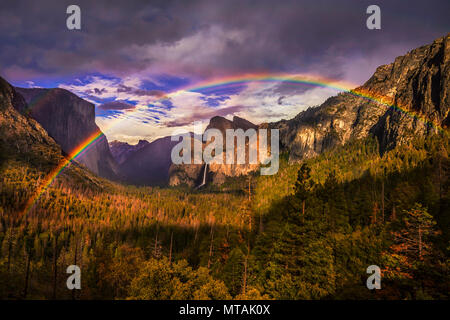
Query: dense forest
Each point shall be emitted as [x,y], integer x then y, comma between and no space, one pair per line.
[308,232]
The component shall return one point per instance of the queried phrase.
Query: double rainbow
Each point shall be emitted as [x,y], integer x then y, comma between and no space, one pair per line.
[227,82]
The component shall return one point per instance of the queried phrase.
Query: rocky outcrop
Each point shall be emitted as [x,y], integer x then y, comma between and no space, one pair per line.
[187,174]
[21,136]
[223,124]
[193,174]
[121,151]
[70,120]
[336,121]
[416,84]
[190,175]
[219,172]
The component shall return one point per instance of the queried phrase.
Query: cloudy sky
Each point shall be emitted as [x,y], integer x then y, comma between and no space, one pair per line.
[144,64]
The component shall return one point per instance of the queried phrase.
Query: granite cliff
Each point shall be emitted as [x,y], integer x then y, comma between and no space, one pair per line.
[414,92]
[70,120]
[194,174]
[416,84]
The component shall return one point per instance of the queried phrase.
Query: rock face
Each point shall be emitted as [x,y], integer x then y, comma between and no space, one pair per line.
[20,135]
[70,120]
[186,174]
[414,90]
[219,172]
[223,124]
[194,174]
[121,151]
[149,165]
[417,82]
[333,123]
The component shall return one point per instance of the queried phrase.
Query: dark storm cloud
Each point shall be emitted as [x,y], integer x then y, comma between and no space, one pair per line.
[318,36]
[202,114]
[286,88]
[116,105]
[140,92]
[96,91]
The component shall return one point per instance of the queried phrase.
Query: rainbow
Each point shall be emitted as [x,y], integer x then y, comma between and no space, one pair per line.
[61,166]
[303,79]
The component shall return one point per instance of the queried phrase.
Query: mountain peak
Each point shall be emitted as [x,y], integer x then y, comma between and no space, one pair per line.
[221,123]
[417,84]
[121,151]
[241,123]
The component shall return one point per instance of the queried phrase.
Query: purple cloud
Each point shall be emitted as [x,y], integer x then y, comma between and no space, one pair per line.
[116,105]
[204,115]
[210,38]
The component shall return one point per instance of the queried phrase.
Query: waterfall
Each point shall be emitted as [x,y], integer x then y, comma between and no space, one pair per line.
[204,176]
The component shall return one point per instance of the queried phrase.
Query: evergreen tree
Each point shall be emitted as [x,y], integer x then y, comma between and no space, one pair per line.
[303,185]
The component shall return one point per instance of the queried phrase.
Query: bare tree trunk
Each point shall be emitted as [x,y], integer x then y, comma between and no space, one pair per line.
[261,227]
[420,243]
[249,190]
[55,267]
[211,247]
[374,213]
[75,263]
[244,280]
[382,201]
[170,250]
[196,233]
[10,245]
[440,178]
[156,242]
[244,284]
[303,211]
[27,275]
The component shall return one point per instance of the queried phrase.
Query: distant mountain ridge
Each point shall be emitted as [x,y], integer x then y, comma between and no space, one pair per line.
[223,124]
[418,82]
[121,151]
[148,164]
[70,120]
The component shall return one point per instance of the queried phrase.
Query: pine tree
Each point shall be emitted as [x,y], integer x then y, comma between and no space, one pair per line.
[412,239]
[411,243]
[303,186]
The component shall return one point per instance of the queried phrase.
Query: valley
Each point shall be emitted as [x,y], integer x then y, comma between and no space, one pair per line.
[353,174]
